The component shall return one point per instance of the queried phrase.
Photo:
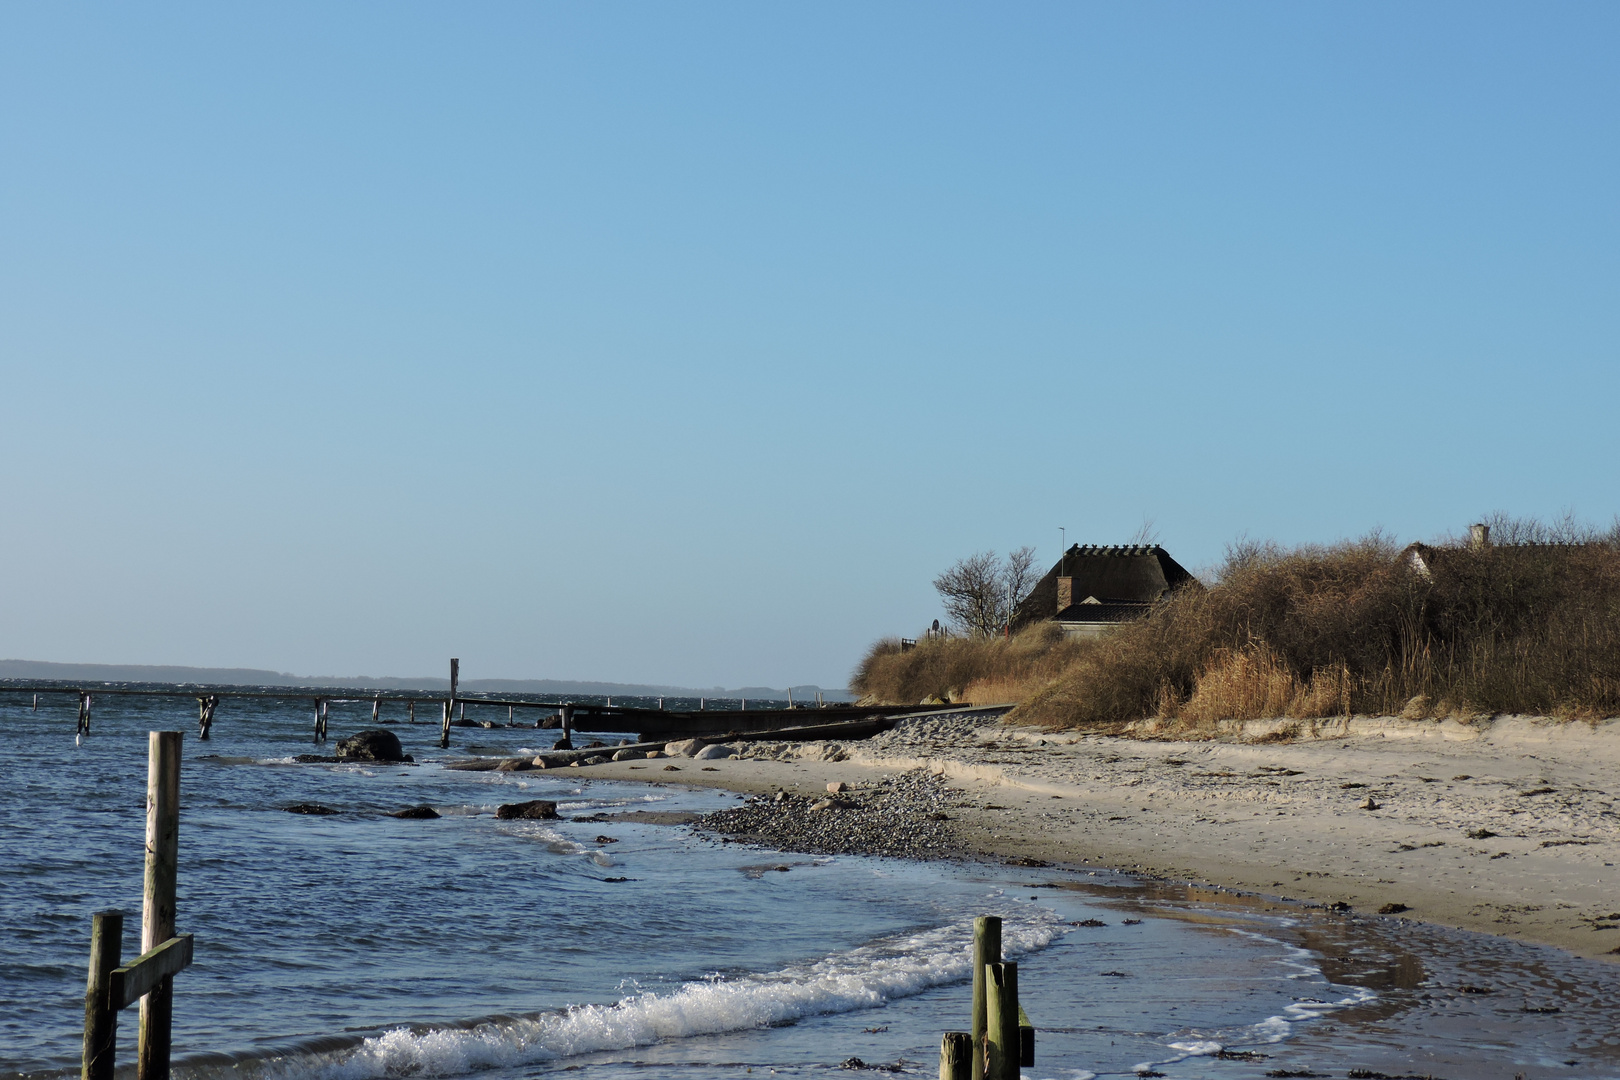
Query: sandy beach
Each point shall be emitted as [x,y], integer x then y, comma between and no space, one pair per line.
[1505,826]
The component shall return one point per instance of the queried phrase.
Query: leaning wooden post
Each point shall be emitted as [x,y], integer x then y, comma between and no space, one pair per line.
[158,896]
[100,1011]
[956,1056]
[450,703]
[376,706]
[986,950]
[1001,1039]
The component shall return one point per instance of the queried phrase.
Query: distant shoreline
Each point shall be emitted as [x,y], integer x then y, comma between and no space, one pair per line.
[44,670]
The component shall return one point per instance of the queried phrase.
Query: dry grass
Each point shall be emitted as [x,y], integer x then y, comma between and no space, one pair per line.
[983,670]
[1317,632]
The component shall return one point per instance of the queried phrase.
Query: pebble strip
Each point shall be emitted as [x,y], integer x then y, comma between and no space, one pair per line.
[901,817]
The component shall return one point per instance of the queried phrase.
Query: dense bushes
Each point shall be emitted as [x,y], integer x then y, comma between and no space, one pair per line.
[1529,624]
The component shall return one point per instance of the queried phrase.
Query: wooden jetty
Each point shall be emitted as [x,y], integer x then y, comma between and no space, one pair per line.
[649,724]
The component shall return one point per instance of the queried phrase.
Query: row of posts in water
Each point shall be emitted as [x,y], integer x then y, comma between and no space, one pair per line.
[208,703]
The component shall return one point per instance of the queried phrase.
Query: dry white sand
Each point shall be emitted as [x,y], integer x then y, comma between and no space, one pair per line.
[1276,818]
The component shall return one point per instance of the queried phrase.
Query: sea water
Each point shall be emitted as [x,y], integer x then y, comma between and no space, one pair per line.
[359,945]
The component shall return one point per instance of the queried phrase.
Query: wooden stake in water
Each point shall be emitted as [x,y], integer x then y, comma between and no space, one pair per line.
[450,703]
[956,1056]
[158,896]
[1001,1039]
[100,1011]
[986,950]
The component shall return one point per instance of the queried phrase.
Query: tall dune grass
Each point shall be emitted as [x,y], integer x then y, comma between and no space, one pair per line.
[1528,625]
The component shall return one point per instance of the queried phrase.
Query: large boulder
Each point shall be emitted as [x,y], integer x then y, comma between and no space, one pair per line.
[373,744]
[543,809]
[715,752]
[683,748]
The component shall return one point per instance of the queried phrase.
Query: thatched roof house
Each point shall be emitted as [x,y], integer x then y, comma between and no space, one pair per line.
[1093,588]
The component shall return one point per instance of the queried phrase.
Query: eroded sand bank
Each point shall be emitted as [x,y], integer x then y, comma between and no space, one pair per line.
[1508,826]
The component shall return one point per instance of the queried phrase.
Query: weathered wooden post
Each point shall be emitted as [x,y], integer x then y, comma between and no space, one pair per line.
[205,714]
[84,712]
[376,707]
[149,978]
[450,703]
[986,950]
[567,740]
[1001,1039]
[410,713]
[956,1056]
[100,1012]
[158,896]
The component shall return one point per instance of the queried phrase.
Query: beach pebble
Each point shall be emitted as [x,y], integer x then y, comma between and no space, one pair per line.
[1369,803]
[837,786]
[715,752]
[655,753]
[684,748]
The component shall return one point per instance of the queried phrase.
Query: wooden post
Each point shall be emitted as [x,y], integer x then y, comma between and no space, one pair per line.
[205,714]
[986,950]
[410,715]
[568,725]
[956,1056]
[100,1012]
[158,896]
[510,718]
[376,706]
[450,703]
[1001,1041]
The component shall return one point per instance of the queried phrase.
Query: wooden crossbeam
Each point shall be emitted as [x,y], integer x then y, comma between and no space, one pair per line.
[138,978]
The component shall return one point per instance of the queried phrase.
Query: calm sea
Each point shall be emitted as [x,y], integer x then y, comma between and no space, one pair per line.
[360,945]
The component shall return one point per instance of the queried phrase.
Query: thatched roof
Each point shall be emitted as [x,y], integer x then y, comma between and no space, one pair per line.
[1119,580]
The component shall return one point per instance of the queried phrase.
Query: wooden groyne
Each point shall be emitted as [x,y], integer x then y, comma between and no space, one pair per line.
[648,724]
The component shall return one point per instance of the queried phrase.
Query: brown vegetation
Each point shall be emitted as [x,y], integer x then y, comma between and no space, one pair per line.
[977,669]
[1528,625]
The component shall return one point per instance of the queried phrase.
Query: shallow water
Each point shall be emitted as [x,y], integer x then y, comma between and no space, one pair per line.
[360,945]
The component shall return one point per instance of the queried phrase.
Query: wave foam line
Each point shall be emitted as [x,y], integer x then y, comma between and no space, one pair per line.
[863,978]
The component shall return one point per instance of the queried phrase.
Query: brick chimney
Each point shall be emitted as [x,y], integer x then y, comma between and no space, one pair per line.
[1479,537]
[1065,592]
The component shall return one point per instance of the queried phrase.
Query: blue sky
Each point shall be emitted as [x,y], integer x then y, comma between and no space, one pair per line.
[686,343]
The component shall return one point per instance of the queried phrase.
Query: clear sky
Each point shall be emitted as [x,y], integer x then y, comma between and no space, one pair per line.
[686,343]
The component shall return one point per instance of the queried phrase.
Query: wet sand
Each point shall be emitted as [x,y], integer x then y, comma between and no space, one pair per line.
[1505,827]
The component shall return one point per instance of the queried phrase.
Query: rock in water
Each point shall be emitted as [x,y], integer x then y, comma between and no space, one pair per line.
[715,753]
[373,744]
[310,808]
[536,808]
[417,813]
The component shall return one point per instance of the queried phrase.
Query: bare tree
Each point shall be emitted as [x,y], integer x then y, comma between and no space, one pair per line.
[981,592]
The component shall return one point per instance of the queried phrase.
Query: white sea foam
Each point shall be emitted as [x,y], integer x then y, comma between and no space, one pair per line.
[861,978]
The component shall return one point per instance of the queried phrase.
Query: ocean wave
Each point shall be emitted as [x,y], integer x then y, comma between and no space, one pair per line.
[862,978]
